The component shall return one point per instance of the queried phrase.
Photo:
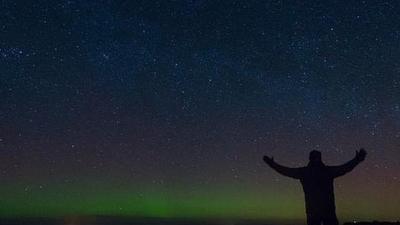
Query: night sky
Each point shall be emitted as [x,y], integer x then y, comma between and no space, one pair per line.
[165,108]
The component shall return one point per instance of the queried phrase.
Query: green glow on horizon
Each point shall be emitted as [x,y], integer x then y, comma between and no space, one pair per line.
[163,204]
[225,202]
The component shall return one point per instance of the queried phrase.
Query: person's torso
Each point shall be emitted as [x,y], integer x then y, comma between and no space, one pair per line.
[317,183]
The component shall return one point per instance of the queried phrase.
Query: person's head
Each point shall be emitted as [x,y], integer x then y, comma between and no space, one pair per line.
[315,156]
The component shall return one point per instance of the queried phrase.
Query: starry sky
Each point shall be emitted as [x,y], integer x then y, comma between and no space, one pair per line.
[165,108]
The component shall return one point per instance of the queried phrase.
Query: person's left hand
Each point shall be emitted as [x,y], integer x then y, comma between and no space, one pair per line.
[361,154]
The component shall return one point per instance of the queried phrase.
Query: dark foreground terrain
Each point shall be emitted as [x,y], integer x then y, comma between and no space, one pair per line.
[373,223]
[121,221]
[146,221]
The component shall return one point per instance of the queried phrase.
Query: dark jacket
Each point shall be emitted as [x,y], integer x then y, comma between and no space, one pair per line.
[317,181]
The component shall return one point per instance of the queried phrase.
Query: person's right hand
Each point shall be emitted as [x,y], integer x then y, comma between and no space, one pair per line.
[268,159]
[361,154]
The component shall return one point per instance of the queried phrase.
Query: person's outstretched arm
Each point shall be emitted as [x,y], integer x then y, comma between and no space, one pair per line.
[341,170]
[286,171]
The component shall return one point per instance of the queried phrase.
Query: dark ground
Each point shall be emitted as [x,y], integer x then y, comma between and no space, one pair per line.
[105,220]
[120,221]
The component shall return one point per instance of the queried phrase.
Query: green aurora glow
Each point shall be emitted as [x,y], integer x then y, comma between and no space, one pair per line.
[173,204]
[227,202]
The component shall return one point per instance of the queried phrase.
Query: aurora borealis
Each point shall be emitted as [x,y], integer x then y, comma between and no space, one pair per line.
[165,108]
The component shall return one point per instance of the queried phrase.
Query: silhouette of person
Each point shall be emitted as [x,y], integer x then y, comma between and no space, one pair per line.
[317,181]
